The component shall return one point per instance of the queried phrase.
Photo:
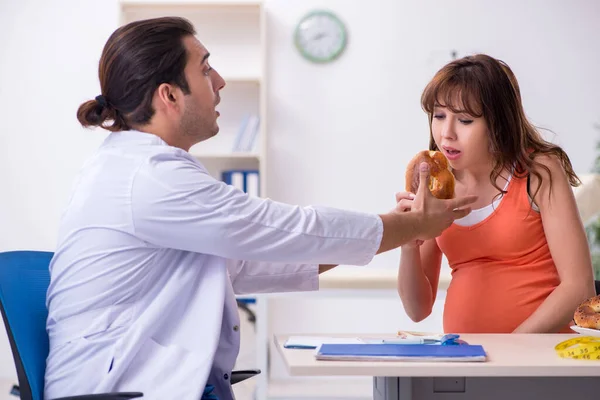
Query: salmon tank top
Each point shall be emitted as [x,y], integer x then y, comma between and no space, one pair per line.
[501,266]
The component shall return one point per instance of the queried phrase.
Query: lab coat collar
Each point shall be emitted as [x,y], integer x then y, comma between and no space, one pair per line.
[133,137]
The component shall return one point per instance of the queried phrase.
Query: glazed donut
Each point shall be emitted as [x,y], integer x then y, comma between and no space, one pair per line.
[441,181]
[587,315]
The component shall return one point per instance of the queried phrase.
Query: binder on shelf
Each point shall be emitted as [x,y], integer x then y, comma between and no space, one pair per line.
[240,133]
[246,136]
[244,180]
[401,352]
[252,183]
[234,178]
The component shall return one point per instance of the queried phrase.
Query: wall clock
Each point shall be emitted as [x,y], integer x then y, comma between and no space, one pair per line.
[320,36]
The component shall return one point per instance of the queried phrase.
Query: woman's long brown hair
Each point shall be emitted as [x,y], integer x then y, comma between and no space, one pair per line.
[486,87]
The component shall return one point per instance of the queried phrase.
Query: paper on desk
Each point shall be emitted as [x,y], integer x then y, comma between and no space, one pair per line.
[312,342]
[422,335]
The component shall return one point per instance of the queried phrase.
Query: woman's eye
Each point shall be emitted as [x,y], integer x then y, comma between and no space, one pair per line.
[438,116]
[466,121]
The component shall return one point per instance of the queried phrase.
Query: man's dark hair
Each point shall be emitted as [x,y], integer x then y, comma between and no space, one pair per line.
[137,58]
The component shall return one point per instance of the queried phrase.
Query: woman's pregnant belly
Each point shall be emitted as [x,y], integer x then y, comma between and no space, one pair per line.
[493,299]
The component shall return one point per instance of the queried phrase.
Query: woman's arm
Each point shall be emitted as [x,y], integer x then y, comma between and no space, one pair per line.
[418,278]
[569,249]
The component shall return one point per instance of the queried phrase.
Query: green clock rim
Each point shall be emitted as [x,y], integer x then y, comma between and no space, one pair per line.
[337,20]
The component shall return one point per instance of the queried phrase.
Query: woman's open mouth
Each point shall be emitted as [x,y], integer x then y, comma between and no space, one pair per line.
[451,153]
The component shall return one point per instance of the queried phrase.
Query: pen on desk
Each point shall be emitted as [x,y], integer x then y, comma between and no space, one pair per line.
[409,341]
[447,339]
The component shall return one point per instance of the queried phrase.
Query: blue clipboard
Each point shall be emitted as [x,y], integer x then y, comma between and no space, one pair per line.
[401,352]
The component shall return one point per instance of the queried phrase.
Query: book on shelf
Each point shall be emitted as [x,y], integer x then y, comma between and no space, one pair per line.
[245,138]
[246,180]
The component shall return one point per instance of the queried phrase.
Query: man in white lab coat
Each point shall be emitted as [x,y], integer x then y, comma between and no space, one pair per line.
[151,248]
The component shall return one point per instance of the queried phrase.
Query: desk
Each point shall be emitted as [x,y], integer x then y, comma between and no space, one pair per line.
[519,367]
[372,295]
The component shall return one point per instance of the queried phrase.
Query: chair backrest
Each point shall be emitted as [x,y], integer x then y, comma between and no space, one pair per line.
[24,280]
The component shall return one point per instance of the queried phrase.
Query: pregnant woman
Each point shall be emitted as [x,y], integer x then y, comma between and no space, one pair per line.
[520,261]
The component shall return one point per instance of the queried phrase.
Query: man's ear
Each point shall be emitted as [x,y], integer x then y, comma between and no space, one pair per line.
[169,96]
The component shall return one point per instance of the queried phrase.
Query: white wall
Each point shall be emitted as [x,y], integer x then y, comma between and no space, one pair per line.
[342,134]
[49,55]
[327,147]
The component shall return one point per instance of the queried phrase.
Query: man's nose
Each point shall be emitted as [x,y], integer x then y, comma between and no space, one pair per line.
[218,82]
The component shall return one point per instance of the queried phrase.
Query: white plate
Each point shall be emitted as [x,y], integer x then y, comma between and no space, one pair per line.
[586,331]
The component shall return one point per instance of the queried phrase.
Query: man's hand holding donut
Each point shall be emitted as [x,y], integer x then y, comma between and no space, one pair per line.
[436,215]
[427,218]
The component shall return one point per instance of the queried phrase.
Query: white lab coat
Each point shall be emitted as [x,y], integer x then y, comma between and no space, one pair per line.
[149,258]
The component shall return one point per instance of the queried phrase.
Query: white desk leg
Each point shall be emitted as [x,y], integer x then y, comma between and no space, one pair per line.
[262,347]
[392,388]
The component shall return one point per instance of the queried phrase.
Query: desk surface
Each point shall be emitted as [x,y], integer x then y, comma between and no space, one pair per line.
[508,355]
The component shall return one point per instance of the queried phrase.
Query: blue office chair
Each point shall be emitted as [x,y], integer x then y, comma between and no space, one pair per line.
[24,280]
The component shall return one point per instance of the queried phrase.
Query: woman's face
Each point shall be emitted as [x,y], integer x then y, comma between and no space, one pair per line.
[462,138]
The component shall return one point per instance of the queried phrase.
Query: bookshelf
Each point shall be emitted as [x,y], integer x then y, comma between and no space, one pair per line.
[233,32]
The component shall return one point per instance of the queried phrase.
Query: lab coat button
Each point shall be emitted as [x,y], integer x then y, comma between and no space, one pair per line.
[236,328]
[226,376]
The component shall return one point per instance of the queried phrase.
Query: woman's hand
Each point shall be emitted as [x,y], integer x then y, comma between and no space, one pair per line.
[404,201]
